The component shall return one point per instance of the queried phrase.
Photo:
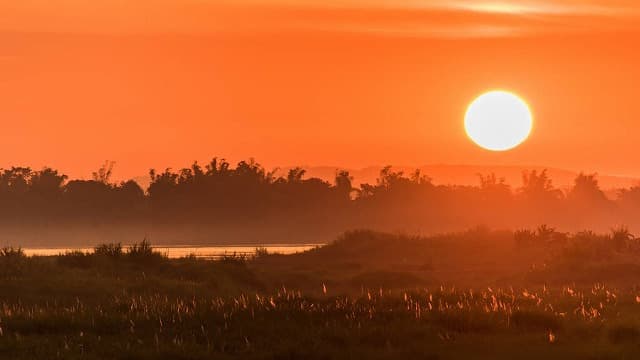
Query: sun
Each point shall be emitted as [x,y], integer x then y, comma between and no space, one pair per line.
[498,120]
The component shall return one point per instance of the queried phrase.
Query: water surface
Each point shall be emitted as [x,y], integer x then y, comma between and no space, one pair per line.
[178,251]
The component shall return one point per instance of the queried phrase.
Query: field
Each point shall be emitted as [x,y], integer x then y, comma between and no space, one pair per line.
[477,294]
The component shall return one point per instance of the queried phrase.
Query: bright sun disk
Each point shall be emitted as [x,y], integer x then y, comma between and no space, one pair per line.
[498,121]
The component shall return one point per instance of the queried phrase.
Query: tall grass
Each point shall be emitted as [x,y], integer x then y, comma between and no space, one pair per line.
[11,252]
[127,303]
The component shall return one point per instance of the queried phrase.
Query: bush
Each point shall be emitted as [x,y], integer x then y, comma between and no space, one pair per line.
[11,262]
[542,236]
[143,253]
[588,246]
[141,249]
[621,238]
[110,250]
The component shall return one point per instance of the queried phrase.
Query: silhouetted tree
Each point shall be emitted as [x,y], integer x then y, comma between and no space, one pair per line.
[343,184]
[586,190]
[538,186]
[493,185]
[103,174]
[15,180]
[630,198]
[47,181]
[220,193]
[295,175]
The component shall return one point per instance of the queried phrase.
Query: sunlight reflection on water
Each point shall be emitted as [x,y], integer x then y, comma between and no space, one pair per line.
[207,252]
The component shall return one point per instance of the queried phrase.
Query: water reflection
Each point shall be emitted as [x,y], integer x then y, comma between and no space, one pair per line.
[206,252]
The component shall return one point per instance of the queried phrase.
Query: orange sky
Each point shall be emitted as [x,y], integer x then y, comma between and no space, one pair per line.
[347,83]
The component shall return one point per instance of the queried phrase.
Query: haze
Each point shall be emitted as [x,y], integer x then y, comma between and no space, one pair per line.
[319,179]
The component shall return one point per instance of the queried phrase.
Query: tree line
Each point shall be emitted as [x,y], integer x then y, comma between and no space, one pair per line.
[218,193]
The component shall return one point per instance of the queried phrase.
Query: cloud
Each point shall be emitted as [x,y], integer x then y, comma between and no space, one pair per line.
[557,7]
[575,7]
[429,18]
[443,19]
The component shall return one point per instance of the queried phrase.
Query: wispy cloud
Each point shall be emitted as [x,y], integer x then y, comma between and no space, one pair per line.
[541,7]
[444,18]
[451,18]
[435,18]
[575,7]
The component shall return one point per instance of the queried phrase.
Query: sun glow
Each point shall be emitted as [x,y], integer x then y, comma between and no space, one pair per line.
[498,121]
[497,7]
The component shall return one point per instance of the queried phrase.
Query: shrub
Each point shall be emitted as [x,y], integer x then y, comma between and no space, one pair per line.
[141,249]
[588,246]
[142,253]
[11,261]
[110,250]
[542,236]
[621,238]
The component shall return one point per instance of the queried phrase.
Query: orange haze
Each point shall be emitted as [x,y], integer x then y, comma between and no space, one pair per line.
[348,83]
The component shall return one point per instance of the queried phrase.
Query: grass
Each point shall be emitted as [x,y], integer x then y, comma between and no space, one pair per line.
[345,301]
[287,324]
[11,252]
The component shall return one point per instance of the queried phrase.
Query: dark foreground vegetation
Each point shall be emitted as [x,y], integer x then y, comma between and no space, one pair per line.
[219,202]
[478,294]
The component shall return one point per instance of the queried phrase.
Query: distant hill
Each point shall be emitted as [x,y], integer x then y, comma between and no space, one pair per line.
[468,174]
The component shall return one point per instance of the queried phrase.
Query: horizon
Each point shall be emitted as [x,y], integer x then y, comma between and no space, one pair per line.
[445,174]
